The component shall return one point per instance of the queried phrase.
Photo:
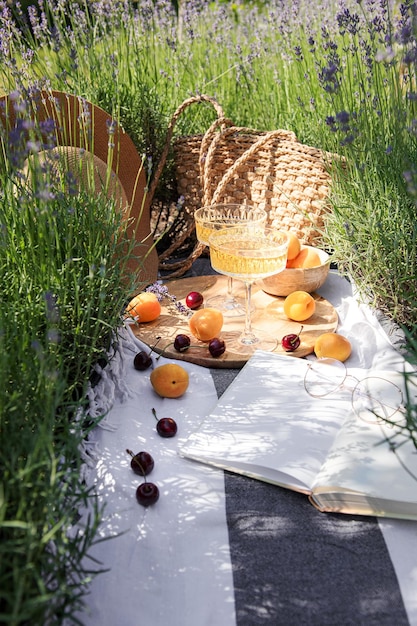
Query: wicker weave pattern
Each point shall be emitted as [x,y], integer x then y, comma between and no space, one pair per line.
[272,170]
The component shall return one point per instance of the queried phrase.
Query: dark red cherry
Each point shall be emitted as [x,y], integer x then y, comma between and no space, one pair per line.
[291,342]
[166,426]
[147,494]
[182,343]
[142,361]
[141,463]
[216,347]
[194,300]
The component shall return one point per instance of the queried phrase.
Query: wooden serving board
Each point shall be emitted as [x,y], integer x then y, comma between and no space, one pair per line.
[268,315]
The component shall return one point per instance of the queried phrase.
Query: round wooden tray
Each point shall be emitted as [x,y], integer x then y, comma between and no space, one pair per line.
[268,315]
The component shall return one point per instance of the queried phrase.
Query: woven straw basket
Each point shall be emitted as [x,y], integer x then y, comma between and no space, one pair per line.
[230,164]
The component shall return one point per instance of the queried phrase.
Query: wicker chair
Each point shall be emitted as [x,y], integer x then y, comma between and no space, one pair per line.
[80,125]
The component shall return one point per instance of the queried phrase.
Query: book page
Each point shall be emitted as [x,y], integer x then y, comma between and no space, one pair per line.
[372,460]
[266,425]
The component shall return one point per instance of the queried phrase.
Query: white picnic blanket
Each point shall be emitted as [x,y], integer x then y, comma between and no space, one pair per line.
[170,563]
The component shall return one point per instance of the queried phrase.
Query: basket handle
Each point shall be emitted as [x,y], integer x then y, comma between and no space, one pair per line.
[206,159]
[170,131]
[207,175]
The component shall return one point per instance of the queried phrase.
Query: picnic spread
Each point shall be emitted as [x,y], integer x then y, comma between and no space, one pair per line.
[217,547]
[220,548]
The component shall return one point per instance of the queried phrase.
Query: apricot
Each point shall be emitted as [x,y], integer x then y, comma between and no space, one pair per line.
[169,380]
[299,306]
[332,346]
[145,307]
[206,324]
[305,258]
[294,245]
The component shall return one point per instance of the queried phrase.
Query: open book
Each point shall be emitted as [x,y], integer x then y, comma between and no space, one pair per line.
[268,427]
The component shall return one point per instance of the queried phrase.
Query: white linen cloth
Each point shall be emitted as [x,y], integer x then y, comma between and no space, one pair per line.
[171,563]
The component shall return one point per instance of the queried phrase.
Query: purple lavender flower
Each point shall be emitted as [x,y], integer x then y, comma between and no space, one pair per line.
[37,348]
[328,77]
[161,292]
[343,123]
[54,336]
[348,22]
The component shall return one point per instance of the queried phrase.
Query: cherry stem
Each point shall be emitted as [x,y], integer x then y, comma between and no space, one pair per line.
[183,350]
[137,463]
[171,344]
[154,414]
[301,330]
[158,339]
[164,350]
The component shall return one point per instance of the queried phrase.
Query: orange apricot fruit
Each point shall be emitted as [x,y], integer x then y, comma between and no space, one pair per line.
[299,306]
[206,324]
[294,245]
[170,380]
[145,307]
[305,258]
[332,346]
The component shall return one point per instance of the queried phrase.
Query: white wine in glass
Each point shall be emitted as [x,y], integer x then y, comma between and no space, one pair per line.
[219,216]
[249,254]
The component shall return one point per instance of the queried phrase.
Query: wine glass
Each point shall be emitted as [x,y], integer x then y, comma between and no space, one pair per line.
[249,252]
[218,216]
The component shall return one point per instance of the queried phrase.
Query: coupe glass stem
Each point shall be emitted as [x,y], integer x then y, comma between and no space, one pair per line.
[230,296]
[248,338]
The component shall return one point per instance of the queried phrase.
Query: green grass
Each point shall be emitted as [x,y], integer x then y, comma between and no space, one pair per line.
[64,285]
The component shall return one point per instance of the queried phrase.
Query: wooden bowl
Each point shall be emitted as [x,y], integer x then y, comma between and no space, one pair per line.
[298,279]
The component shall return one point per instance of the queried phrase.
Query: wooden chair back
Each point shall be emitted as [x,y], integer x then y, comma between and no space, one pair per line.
[81,124]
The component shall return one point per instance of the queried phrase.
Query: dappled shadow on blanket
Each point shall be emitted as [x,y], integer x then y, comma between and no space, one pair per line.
[295,566]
